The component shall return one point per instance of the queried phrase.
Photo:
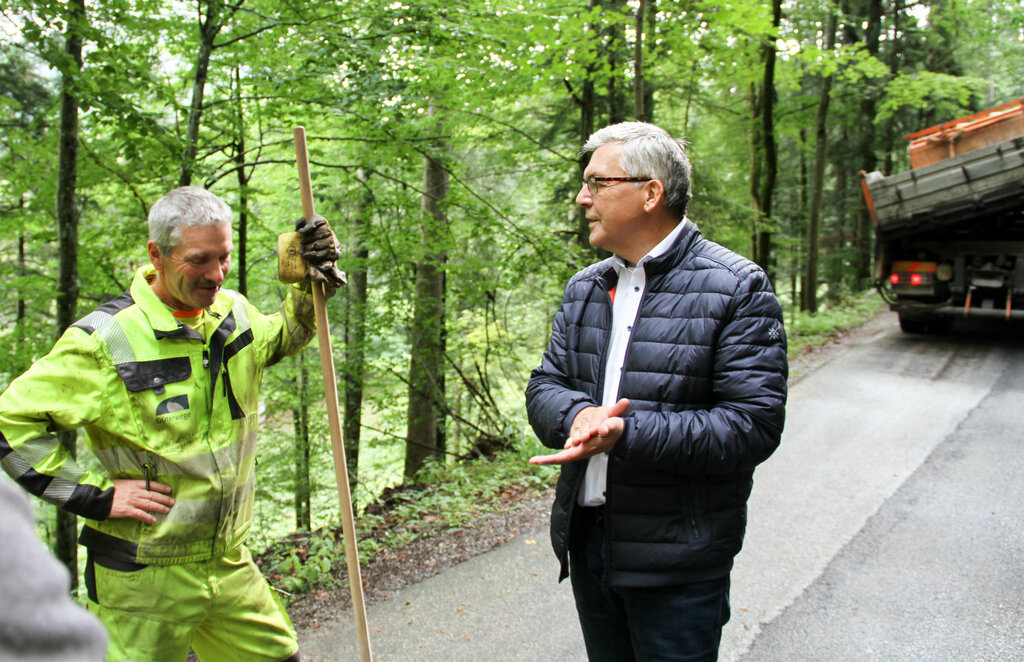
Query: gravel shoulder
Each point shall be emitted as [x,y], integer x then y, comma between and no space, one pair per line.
[391,571]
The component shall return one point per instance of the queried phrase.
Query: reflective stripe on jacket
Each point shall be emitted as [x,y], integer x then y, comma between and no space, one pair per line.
[155,400]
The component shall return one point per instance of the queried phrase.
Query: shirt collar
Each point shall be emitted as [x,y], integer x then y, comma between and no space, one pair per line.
[160,315]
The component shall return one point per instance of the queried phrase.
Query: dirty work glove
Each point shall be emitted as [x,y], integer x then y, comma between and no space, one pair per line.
[319,248]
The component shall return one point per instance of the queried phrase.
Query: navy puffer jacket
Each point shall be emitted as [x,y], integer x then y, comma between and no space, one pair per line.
[706,373]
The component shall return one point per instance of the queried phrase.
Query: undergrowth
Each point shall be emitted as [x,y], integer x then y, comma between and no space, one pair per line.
[805,330]
[443,497]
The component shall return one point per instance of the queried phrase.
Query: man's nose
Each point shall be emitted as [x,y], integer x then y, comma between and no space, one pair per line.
[584,198]
[217,272]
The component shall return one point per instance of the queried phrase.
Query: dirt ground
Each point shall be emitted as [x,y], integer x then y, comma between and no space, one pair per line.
[389,572]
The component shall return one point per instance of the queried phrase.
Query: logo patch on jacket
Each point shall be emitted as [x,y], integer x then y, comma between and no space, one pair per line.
[172,405]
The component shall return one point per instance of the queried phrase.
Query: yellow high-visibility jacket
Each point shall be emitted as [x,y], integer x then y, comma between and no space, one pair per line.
[155,401]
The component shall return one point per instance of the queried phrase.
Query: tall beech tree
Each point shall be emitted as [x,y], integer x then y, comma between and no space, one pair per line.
[764,161]
[817,183]
[354,365]
[210,23]
[425,436]
[66,544]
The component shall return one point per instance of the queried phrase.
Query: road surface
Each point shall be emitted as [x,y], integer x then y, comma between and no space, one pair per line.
[888,526]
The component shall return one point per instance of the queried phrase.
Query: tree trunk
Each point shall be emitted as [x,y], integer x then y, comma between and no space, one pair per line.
[19,315]
[643,91]
[868,160]
[241,253]
[67,241]
[803,195]
[756,156]
[818,176]
[766,152]
[208,29]
[355,330]
[300,417]
[426,369]
[586,103]
[638,64]
[895,59]
[616,101]
[652,50]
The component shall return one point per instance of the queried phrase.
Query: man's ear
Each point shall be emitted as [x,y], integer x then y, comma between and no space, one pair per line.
[654,192]
[154,255]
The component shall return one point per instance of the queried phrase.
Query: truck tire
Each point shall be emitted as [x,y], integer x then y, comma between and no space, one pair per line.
[935,325]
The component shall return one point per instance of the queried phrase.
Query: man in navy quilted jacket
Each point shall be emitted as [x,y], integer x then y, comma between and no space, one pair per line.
[663,386]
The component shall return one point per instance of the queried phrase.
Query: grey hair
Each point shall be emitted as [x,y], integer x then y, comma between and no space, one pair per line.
[181,208]
[649,151]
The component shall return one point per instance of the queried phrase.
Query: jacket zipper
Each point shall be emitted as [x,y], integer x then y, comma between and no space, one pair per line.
[606,542]
[607,343]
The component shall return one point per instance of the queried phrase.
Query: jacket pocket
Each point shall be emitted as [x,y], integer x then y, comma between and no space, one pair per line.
[693,509]
[162,397]
[241,376]
[143,375]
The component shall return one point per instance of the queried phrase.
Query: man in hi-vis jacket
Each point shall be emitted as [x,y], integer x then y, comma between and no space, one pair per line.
[164,380]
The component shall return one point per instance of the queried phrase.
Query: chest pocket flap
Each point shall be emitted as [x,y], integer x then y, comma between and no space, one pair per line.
[142,375]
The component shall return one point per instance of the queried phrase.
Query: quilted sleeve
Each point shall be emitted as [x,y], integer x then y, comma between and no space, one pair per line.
[551,401]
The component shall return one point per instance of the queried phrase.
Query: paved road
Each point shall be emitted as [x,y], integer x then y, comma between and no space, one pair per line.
[886,527]
[937,573]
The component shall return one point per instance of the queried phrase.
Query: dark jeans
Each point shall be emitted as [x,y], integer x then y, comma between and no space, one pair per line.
[645,624]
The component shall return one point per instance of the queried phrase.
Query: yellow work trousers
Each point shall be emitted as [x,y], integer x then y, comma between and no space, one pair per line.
[223,609]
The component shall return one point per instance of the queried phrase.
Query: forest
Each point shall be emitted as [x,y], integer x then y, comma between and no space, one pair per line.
[444,149]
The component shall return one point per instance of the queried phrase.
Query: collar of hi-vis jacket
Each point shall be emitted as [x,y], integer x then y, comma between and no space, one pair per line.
[160,317]
[165,325]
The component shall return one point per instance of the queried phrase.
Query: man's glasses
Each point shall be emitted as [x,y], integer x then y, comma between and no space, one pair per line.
[594,183]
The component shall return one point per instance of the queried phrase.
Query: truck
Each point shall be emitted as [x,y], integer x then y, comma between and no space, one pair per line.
[949,232]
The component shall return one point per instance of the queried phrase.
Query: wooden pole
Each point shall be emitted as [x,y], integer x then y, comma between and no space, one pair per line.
[348,526]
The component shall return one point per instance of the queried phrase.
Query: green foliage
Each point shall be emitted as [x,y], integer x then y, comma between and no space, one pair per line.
[509,80]
[304,562]
[444,497]
[947,95]
[805,331]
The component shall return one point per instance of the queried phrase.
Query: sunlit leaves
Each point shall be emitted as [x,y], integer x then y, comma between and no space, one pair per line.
[949,95]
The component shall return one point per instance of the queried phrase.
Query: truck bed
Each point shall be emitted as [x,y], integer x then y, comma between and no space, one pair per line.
[987,183]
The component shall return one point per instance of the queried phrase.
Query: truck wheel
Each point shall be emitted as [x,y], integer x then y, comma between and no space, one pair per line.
[937,325]
[912,324]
